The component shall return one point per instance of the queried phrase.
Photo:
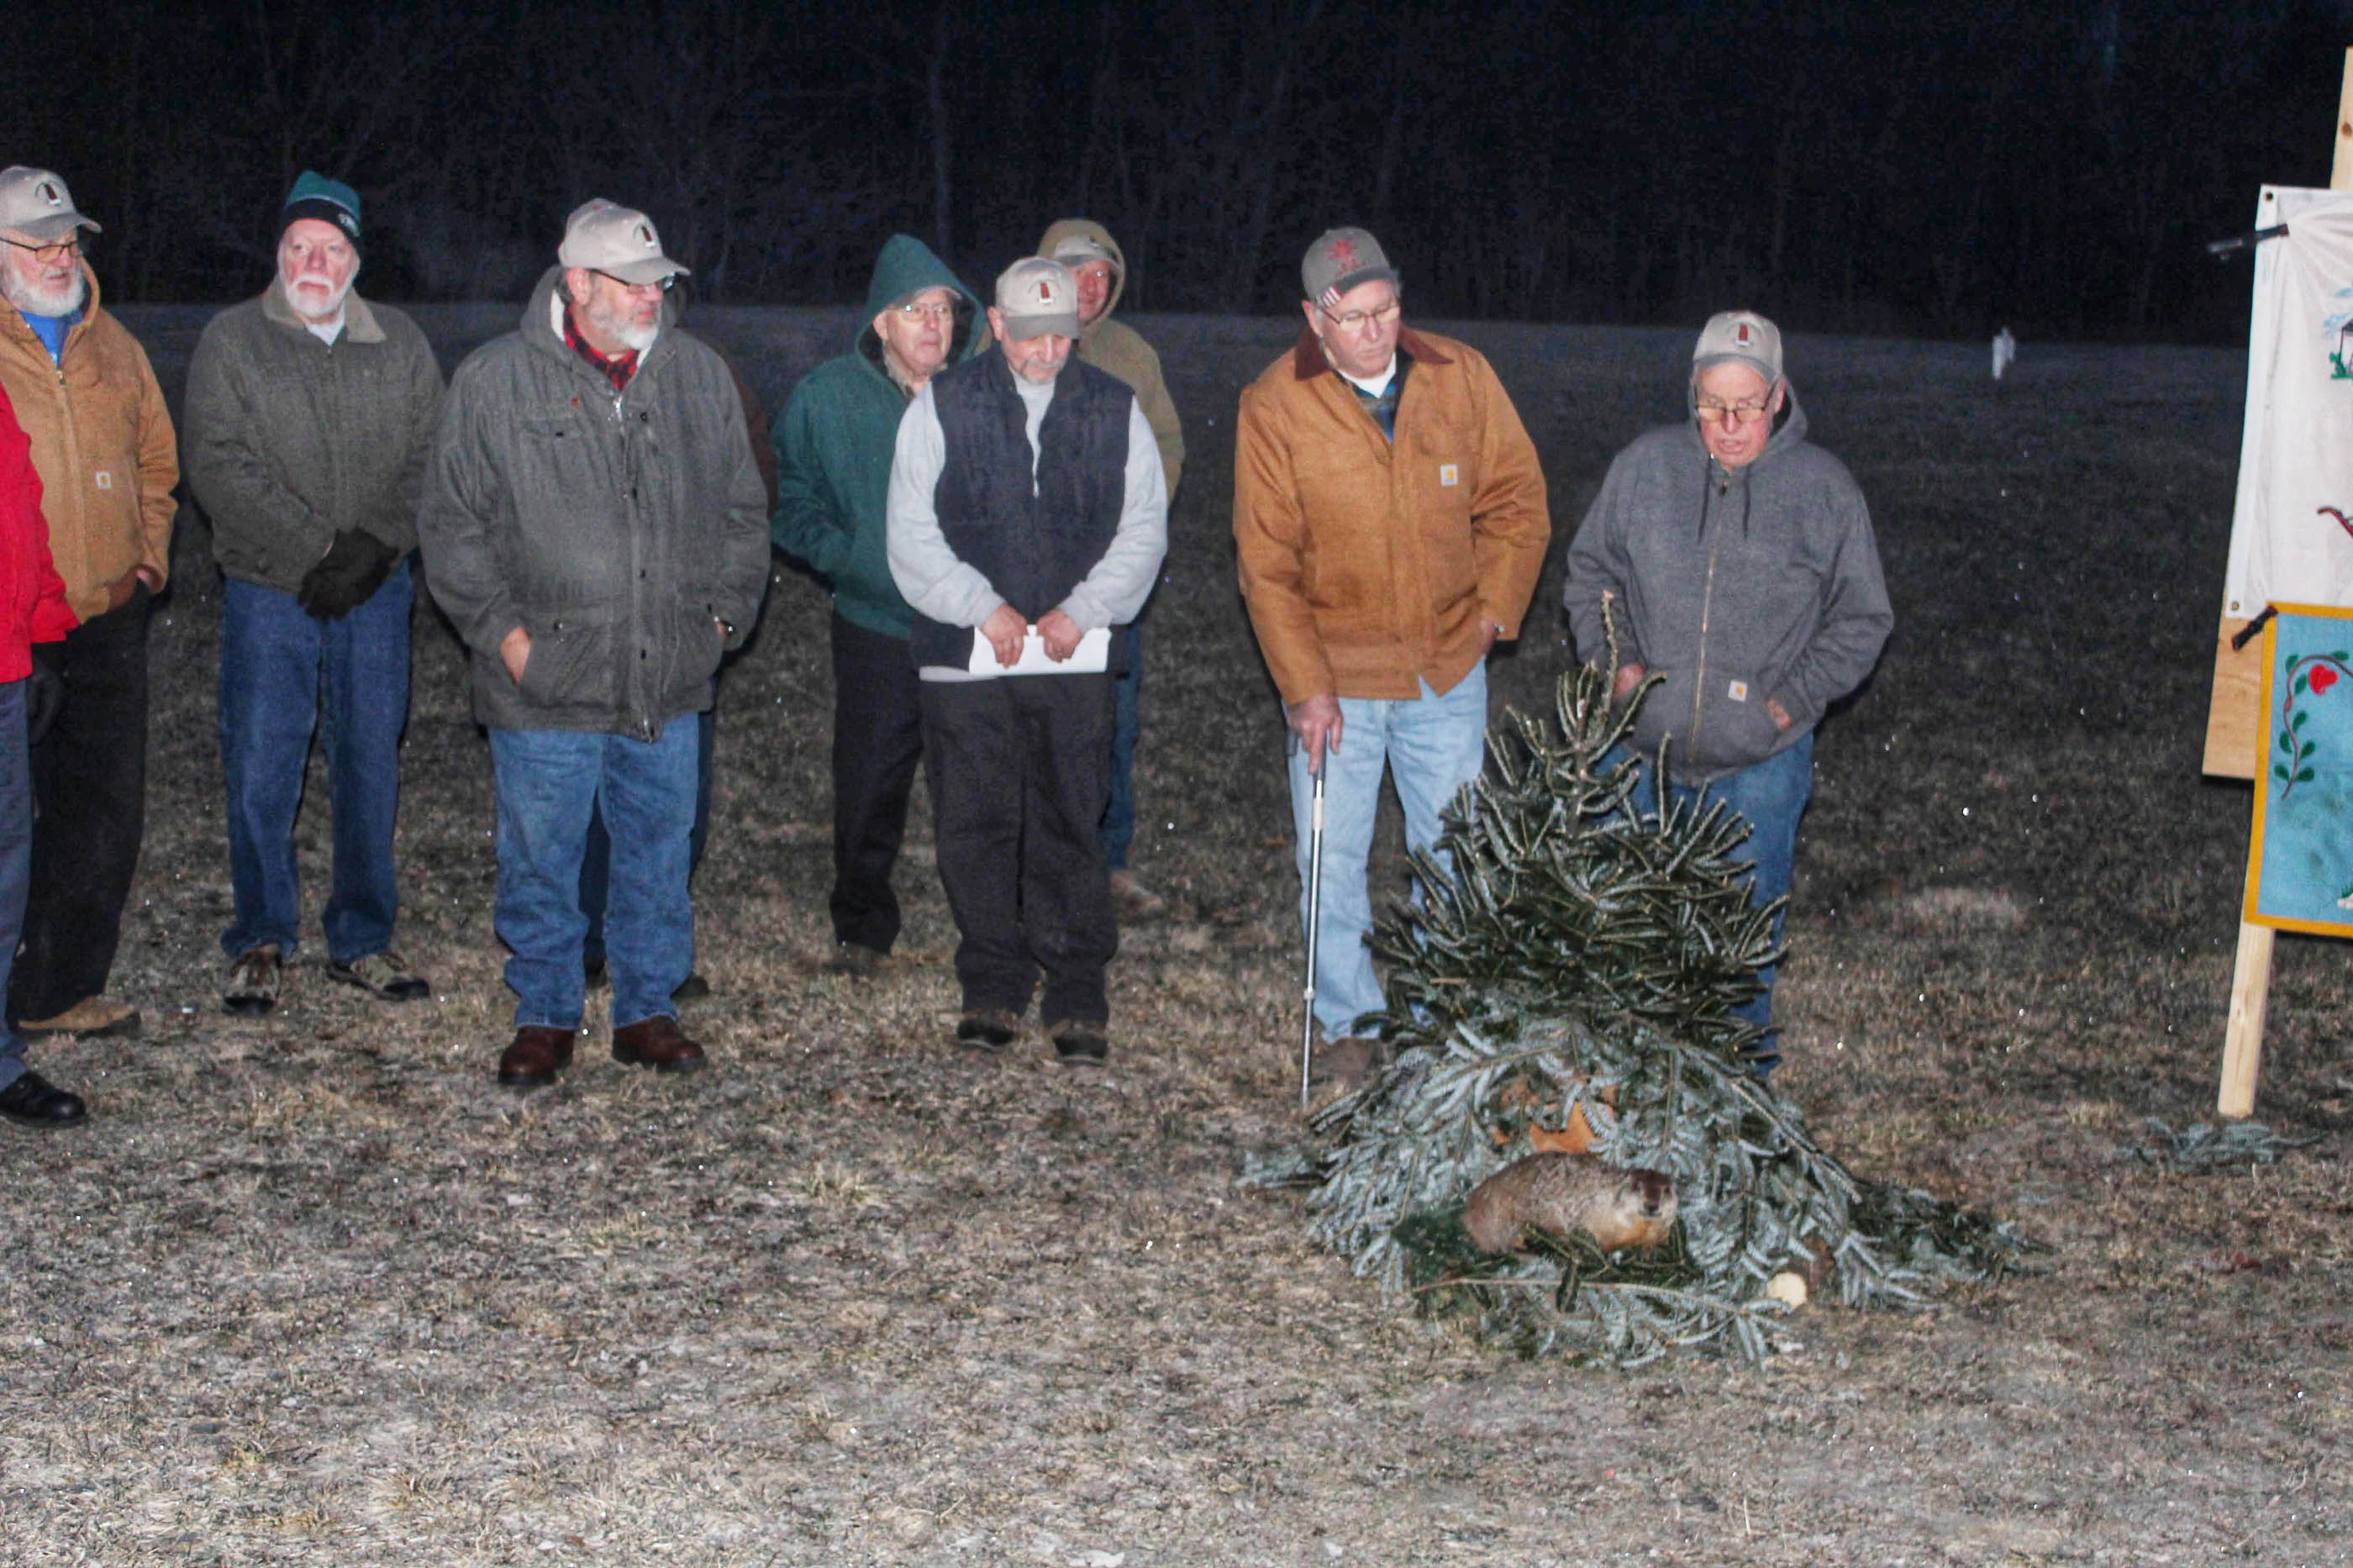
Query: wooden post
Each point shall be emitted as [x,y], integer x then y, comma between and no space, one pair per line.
[2234,750]
[2243,1037]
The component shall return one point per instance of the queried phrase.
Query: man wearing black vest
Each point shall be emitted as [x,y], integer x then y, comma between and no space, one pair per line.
[1027,515]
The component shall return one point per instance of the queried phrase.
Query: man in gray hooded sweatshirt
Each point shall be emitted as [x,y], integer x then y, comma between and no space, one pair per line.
[1745,579]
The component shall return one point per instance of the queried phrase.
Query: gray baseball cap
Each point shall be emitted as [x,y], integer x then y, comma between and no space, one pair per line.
[616,240]
[1339,260]
[1036,296]
[36,203]
[1739,337]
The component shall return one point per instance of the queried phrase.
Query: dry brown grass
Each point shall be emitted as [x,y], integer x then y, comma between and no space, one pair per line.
[312,1290]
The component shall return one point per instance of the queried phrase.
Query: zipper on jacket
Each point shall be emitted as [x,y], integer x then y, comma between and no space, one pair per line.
[1707,606]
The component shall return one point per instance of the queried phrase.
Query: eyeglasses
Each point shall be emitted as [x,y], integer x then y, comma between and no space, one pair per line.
[1357,321]
[1735,415]
[913,311]
[665,285]
[57,250]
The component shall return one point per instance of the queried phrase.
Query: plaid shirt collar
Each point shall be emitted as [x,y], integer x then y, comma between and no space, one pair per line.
[617,369]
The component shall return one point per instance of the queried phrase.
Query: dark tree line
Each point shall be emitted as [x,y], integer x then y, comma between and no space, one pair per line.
[1893,165]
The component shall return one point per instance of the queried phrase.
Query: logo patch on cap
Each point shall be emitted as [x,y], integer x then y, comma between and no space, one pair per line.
[48,190]
[1744,334]
[1343,253]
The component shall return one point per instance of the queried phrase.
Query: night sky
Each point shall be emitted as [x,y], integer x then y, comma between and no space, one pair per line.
[1875,167]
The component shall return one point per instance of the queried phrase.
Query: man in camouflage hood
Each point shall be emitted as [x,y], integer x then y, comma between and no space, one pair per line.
[1095,259]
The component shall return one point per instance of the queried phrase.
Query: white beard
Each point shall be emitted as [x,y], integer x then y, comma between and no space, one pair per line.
[613,326]
[35,300]
[304,310]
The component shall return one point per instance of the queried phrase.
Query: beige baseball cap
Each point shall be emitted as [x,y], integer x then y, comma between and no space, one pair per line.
[617,240]
[1739,337]
[36,203]
[1036,296]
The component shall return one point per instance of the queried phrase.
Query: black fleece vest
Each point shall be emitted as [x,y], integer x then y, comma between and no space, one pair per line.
[1034,545]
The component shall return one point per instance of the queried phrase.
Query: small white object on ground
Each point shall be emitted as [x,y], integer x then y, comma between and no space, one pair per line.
[2005,349]
[1788,1287]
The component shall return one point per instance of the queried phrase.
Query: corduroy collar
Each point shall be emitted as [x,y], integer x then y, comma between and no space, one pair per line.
[1307,361]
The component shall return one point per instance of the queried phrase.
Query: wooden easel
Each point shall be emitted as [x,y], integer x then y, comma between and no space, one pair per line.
[2234,750]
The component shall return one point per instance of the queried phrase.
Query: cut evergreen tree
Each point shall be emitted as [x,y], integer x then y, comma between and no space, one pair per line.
[1570,961]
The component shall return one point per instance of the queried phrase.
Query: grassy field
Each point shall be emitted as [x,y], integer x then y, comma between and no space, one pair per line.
[312,1290]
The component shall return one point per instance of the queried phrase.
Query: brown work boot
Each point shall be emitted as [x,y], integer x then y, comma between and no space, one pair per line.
[90,1018]
[657,1043]
[538,1054]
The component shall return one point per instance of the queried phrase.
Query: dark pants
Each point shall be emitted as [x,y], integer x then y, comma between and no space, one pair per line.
[90,788]
[1119,816]
[15,855]
[878,740]
[596,855]
[1017,769]
[281,668]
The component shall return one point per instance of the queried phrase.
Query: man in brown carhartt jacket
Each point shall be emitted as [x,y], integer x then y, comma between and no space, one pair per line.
[1390,523]
[102,443]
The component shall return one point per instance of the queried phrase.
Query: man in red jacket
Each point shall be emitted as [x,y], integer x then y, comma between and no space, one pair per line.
[32,609]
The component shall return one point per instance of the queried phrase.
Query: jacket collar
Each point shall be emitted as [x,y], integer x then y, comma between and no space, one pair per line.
[1307,361]
[360,324]
[88,312]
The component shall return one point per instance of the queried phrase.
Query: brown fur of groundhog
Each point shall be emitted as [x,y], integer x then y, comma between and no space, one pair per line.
[1558,1194]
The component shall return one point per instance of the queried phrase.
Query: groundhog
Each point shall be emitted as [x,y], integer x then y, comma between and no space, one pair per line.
[1563,1193]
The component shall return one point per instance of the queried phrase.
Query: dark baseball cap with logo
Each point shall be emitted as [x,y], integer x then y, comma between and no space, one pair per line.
[1339,260]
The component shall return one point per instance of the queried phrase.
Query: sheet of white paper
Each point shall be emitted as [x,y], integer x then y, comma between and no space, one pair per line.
[1092,656]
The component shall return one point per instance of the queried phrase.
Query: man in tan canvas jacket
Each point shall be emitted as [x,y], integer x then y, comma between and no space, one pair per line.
[1390,523]
[103,446]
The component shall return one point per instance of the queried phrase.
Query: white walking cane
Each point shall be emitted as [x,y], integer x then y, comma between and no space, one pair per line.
[1314,911]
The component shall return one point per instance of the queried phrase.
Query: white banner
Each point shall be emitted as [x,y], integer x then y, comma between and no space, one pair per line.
[2291,531]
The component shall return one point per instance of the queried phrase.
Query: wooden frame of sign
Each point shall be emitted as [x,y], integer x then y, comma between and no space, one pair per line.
[2235,731]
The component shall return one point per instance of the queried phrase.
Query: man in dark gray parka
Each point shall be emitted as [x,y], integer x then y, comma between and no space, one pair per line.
[308,417]
[1746,578]
[596,528]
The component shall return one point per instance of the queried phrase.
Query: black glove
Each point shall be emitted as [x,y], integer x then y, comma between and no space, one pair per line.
[44,693]
[354,568]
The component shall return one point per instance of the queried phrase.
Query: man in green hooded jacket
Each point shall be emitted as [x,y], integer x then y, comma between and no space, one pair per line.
[834,443]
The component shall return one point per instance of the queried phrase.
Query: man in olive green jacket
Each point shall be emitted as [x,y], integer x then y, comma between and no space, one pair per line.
[1094,258]
[309,414]
[592,527]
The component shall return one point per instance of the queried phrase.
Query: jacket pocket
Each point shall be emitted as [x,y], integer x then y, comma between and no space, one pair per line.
[568,667]
[1735,730]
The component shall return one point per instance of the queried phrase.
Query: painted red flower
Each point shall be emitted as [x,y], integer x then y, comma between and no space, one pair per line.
[2322,679]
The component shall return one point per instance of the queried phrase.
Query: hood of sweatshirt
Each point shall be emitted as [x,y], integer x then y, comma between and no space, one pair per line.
[907,265]
[1087,228]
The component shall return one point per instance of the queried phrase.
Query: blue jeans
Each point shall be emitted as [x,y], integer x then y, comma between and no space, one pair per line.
[549,781]
[1119,816]
[16,856]
[1433,746]
[1772,795]
[279,666]
[597,861]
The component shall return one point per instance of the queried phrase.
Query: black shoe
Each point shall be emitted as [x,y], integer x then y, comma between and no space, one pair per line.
[987,1031]
[34,1101]
[1081,1044]
[693,988]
